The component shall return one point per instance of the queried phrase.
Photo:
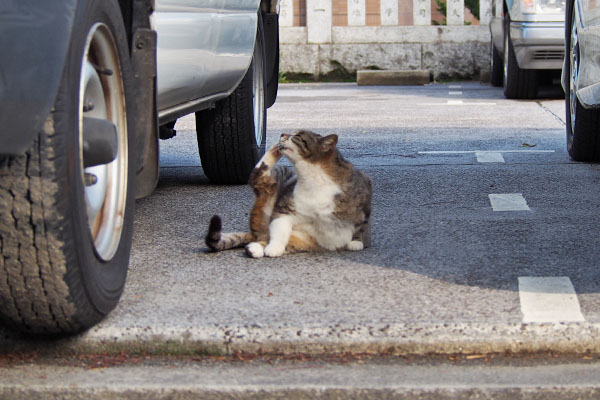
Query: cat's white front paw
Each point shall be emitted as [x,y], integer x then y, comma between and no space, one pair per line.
[255,250]
[274,250]
[355,245]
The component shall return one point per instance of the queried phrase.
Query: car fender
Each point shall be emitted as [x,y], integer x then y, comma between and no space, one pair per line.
[34,36]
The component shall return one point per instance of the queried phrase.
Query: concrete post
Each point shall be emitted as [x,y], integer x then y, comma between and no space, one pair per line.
[318,21]
[286,13]
[357,11]
[485,11]
[455,12]
[421,12]
[389,12]
[499,6]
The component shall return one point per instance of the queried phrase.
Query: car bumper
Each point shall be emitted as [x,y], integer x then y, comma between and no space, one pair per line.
[538,45]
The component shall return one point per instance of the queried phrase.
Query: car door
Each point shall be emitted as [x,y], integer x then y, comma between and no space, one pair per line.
[204,48]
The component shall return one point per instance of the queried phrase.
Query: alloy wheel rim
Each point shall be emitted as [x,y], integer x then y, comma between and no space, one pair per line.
[505,60]
[102,96]
[574,76]
[258,94]
[491,55]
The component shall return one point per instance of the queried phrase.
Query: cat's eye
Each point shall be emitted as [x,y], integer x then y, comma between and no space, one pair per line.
[298,140]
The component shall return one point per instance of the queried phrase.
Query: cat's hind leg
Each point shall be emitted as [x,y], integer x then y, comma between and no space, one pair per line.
[361,239]
[297,243]
[255,249]
[301,242]
[355,245]
[280,230]
[362,234]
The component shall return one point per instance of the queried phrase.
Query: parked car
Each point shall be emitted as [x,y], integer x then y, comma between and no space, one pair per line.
[85,88]
[581,79]
[527,36]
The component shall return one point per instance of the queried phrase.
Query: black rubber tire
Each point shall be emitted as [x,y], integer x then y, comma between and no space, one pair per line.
[583,136]
[227,144]
[51,279]
[518,83]
[496,67]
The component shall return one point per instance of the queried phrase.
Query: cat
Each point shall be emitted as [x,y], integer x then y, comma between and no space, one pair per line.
[325,205]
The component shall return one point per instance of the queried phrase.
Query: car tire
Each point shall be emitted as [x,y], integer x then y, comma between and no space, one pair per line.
[583,125]
[518,83]
[65,242]
[232,135]
[496,66]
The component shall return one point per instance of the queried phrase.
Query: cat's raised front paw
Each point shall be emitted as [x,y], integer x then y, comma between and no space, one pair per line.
[255,250]
[274,150]
[274,250]
[355,245]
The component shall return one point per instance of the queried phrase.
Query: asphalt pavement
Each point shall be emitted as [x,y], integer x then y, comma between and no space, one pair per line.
[484,238]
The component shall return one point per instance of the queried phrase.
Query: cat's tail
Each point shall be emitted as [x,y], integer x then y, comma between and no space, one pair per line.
[216,240]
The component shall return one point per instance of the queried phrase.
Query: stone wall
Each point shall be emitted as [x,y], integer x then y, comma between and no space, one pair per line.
[447,51]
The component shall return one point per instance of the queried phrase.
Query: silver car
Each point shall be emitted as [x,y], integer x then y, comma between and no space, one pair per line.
[527,36]
[219,60]
[581,79]
[87,87]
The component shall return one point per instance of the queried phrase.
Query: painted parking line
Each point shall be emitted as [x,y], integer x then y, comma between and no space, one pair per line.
[455,87]
[489,157]
[486,156]
[457,103]
[442,152]
[549,299]
[508,202]
[455,93]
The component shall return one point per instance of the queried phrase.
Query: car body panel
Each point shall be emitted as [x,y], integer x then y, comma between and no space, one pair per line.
[538,45]
[518,13]
[588,20]
[34,37]
[204,49]
[497,32]
[537,38]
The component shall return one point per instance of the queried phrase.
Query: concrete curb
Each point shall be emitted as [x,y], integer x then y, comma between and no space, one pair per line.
[392,77]
[299,381]
[394,339]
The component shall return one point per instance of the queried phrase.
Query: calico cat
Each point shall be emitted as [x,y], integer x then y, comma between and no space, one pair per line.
[325,205]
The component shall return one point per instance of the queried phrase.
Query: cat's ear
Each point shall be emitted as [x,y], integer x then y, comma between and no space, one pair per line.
[329,142]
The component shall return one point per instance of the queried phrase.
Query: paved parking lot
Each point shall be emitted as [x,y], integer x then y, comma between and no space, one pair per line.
[484,236]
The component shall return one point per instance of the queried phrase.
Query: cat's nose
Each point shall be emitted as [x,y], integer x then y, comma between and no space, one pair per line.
[285,136]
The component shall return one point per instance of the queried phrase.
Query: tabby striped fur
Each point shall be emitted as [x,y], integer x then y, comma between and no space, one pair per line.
[219,241]
[325,205]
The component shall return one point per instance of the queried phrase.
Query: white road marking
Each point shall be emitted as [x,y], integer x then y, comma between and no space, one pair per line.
[456,103]
[454,87]
[549,299]
[456,93]
[485,156]
[508,202]
[489,157]
[441,152]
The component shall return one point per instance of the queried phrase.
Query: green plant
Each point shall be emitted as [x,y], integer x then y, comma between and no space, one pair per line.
[472,5]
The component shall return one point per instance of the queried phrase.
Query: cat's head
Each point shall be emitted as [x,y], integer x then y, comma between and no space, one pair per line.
[307,146]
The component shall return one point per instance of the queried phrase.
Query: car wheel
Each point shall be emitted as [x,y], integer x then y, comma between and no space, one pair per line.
[518,83]
[583,125]
[496,66]
[66,206]
[232,135]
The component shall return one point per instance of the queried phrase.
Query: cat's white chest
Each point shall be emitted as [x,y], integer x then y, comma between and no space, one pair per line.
[314,203]
[315,193]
